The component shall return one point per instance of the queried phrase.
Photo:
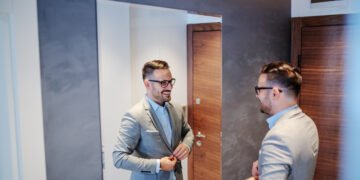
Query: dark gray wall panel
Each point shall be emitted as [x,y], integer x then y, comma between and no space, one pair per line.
[69,74]
[254,32]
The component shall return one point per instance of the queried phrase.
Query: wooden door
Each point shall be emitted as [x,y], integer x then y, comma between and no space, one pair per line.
[204,48]
[318,48]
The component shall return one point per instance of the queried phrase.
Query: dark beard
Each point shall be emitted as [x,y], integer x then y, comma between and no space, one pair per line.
[166,100]
[263,111]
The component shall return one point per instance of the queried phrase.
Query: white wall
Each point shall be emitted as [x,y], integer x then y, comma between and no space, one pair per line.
[303,8]
[21,107]
[159,33]
[114,75]
[130,35]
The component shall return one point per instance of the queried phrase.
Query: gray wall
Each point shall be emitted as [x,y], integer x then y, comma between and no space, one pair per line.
[254,32]
[70,92]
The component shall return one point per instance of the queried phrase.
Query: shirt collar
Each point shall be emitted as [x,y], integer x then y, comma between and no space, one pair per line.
[154,105]
[274,118]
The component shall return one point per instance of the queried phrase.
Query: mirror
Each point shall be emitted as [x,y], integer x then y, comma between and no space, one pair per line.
[128,36]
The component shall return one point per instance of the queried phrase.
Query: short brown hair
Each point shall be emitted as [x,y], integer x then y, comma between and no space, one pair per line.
[284,75]
[150,66]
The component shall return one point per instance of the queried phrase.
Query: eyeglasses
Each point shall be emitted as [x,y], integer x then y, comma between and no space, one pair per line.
[257,89]
[164,83]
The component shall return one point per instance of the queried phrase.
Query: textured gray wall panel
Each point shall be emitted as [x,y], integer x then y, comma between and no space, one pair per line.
[69,74]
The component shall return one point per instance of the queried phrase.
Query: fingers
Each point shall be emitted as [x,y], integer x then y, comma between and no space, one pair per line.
[171,158]
[254,170]
[181,152]
[173,161]
[177,150]
[251,178]
[167,163]
[184,154]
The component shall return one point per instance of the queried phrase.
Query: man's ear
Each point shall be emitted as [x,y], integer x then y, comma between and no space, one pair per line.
[146,83]
[276,92]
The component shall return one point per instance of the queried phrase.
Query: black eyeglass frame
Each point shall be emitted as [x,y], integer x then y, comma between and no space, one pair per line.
[164,83]
[258,88]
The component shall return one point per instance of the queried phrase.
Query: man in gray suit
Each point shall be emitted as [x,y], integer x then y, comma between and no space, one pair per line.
[153,136]
[290,148]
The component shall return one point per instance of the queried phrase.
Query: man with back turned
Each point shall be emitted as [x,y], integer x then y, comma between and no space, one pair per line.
[290,148]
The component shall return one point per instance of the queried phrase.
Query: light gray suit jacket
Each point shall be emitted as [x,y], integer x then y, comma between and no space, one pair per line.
[290,148]
[141,140]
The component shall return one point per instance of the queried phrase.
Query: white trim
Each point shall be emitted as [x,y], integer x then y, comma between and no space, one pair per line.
[303,8]
[7,103]
[330,5]
[198,18]
[28,89]
[24,90]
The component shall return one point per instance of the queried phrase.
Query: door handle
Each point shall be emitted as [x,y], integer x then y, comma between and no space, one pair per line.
[199,135]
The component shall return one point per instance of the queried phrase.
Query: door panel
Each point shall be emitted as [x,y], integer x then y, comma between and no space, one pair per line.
[206,104]
[322,54]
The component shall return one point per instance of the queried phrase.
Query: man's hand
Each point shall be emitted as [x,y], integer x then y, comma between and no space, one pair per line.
[167,163]
[251,178]
[255,170]
[181,152]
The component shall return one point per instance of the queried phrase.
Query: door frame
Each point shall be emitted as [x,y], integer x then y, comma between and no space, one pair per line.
[298,23]
[317,21]
[191,28]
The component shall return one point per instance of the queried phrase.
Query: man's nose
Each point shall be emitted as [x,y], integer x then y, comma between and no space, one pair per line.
[169,87]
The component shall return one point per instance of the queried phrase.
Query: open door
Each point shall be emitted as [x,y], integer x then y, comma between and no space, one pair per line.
[204,90]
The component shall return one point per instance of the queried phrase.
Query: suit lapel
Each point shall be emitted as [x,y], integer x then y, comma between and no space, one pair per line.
[152,115]
[174,125]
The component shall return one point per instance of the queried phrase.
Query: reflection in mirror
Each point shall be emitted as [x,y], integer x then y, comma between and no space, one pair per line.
[128,36]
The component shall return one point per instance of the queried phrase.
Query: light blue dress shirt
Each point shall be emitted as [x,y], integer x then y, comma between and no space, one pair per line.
[163,115]
[274,118]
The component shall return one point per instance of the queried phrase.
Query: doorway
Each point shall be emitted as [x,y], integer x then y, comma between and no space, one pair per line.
[204,99]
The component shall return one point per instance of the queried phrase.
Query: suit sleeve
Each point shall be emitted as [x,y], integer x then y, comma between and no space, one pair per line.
[127,140]
[186,132]
[275,160]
